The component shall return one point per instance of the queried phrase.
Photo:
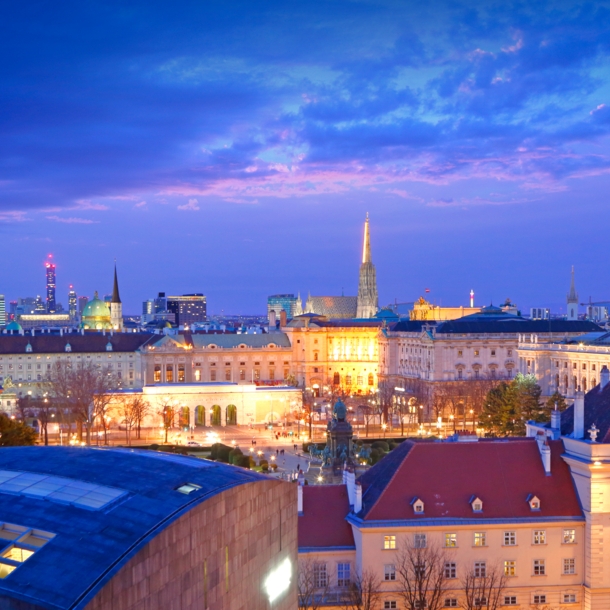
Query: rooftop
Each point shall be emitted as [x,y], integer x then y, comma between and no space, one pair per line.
[89,342]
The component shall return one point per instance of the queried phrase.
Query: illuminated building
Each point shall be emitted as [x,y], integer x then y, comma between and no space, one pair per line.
[45,320]
[188,308]
[572,300]
[368,301]
[72,303]
[50,274]
[96,315]
[279,302]
[2,310]
[91,529]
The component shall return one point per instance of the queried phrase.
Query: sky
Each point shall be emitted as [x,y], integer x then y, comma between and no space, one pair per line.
[234,148]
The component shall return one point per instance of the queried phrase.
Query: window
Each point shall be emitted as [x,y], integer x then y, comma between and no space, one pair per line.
[539,567]
[510,600]
[169,373]
[17,554]
[320,577]
[213,375]
[540,599]
[480,569]
[418,506]
[389,571]
[420,541]
[479,539]
[242,374]
[510,568]
[477,505]
[509,352]
[450,602]
[157,373]
[272,374]
[476,352]
[569,598]
[480,601]
[348,380]
[359,380]
[569,536]
[539,537]
[450,569]
[390,604]
[493,352]
[257,374]
[534,503]
[460,373]
[336,379]
[569,566]
[188,488]
[371,379]
[460,353]
[181,376]
[450,540]
[389,542]
[227,374]
[343,574]
[510,538]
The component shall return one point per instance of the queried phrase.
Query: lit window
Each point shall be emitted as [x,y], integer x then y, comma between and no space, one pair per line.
[569,536]
[5,569]
[510,538]
[569,566]
[476,352]
[450,569]
[460,353]
[479,539]
[510,568]
[17,554]
[188,488]
[450,540]
[539,567]
[534,503]
[389,542]
[539,537]
[389,572]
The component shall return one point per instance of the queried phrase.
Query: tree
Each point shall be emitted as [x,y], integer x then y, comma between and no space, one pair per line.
[556,399]
[483,591]
[166,412]
[14,433]
[528,397]
[45,411]
[127,414]
[368,413]
[364,592]
[420,572]
[140,408]
[313,584]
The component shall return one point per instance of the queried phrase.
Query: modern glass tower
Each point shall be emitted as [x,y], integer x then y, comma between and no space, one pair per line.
[51,307]
[72,303]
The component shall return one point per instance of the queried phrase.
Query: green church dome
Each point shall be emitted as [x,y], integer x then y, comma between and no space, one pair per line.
[96,308]
[14,326]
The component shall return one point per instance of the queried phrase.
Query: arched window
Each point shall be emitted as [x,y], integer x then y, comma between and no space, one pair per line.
[575,381]
[584,384]
[371,379]
[315,355]
[231,415]
[169,373]
[200,415]
[181,377]
[215,417]
[336,379]
[157,373]
[185,417]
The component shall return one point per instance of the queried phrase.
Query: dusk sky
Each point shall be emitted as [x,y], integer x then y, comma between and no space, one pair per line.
[234,148]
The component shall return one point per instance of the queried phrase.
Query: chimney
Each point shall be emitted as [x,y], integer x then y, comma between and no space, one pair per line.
[350,482]
[300,499]
[579,414]
[545,454]
[604,377]
[33,331]
[283,318]
[358,501]
[272,319]
[555,418]
[61,332]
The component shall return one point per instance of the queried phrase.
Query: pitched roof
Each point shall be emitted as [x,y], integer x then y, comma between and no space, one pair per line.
[513,324]
[445,476]
[89,342]
[597,411]
[333,307]
[323,523]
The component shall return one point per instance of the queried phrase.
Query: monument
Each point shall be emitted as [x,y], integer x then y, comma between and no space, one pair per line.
[339,447]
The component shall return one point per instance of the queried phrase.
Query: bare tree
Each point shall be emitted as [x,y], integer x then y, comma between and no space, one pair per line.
[25,404]
[166,412]
[313,584]
[126,412]
[364,592]
[368,414]
[420,572]
[45,412]
[483,589]
[140,408]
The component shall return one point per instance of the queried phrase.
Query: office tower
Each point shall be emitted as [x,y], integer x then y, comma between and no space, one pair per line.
[72,303]
[2,310]
[82,303]
[160,303]
[188,308]
[50,271]
[277,302]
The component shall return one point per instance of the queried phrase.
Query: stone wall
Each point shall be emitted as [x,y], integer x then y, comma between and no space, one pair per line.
[216,556]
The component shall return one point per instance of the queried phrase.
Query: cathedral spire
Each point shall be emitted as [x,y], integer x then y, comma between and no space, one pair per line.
[115,289]
[572,300]
[367,286]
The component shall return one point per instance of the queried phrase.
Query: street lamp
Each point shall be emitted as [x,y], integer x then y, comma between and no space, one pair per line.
[472,415]
[384,426]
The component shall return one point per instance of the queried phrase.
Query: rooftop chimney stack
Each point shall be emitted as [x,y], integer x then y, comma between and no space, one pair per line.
[358,501]
[545,454]
[579,414]
[300,499]
[272,319]
[604,377]
[283,318]
[555,418]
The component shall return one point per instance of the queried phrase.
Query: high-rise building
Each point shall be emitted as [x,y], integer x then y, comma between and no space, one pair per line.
[368,301]
[277,302]
[188,308]
[72,303]
[2,310]
[82,303]
[50,271]
[572,300]
[160,303]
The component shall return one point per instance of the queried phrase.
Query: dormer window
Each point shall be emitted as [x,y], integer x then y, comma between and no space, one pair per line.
[28,348]
[534,502]
[108,346]
[418,506]
[68,347]
[477,504]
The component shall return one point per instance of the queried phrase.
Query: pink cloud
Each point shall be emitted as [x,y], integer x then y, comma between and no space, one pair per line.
[190,206]
[72,220]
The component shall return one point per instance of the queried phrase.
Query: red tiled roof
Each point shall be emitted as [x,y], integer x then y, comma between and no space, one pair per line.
[323,521]
[445,476]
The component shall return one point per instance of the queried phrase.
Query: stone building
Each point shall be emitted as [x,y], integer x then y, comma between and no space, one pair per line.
[125,530]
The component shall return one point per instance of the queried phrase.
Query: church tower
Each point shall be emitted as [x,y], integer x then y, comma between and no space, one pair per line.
[368,302]
[116,307]
[572,300]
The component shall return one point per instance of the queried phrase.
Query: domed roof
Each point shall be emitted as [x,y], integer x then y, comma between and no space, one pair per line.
[14,326]
[96,308]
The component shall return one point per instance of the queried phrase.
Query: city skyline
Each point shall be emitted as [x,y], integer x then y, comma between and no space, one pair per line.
[234,150]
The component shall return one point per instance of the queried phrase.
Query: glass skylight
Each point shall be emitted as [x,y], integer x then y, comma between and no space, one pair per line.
[58,489]
[188,488]
[25,543]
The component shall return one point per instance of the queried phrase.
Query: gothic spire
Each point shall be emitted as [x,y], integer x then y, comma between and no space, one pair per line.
[367,286]
[366,246]
[572,295]
[115,289]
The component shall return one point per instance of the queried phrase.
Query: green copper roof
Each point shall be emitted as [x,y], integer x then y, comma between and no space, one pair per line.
[96,308]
